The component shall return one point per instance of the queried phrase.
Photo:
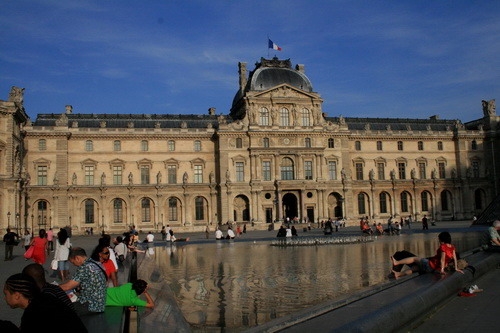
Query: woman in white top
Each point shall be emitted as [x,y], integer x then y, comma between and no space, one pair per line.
[63,244]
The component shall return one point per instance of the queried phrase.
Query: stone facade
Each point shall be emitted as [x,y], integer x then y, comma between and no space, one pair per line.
[275,156]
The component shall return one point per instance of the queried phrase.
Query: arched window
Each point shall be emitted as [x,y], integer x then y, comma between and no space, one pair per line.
[144,145]
[404,202]
[287,170]
[284,117]
[117,145]
[239,143]
[424,201]
[331,143]
[117,211]
[173,209]
[89,211]
[146,210]
[197,145]
[474,145]
[383,202]
[171,145]
[307,142]
[199,204]
[264,117]
[89,145]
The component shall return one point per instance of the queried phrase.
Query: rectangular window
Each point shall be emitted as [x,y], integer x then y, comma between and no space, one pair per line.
[197,145]
[440,145]
[420,145]
[240,171]
[381,171]
[402,170]
[442,170]
[379,145]
[89,175]
[266,170]
[359,171]
[308,172]
[118,211]
[357,145]
[42,174]
[172,174]
[422,171]
[424,201]
[117,174]
[144,174]
[383,202]
[198,174]
[42,144]
[400,145]
[475,169]
[332,170]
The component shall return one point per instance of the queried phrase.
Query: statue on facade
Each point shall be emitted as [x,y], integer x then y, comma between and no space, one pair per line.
[103,179]
[185,178]
[211,177]
[158,178]
[130,178]
[489,107]
[393,174]
[73,179]
[228,176]
[56,179]
[413,173]
[371,174]
[343,174]
[16,95]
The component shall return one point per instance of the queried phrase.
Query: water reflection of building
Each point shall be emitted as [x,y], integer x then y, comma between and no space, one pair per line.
[276,155]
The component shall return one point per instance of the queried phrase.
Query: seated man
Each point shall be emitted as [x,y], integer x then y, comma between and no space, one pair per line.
[128,295]
[493,242]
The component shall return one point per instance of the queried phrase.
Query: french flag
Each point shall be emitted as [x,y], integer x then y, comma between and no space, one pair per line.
[273,46]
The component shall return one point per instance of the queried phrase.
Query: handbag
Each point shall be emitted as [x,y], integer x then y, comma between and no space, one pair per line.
[29,252]
[54,264]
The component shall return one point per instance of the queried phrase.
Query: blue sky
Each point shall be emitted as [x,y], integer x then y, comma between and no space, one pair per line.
[405,59]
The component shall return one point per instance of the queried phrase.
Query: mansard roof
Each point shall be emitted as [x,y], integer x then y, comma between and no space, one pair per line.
[92,120]
[396,124]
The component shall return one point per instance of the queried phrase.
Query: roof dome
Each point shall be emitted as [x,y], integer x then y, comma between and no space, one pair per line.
[268,77]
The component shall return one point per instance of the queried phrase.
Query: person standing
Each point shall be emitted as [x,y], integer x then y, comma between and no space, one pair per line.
[10,239]
[27,240]
[50,240]
[40,247]
[63,244]
[91,278]
[425,223]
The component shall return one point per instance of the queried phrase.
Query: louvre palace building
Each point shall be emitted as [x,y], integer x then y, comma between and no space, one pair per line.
[276,155]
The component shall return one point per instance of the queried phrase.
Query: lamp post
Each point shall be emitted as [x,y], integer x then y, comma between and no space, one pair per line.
[17,223]
[32,225]
[8,219]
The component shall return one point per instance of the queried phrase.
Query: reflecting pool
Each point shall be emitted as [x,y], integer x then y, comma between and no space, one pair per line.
[230,286]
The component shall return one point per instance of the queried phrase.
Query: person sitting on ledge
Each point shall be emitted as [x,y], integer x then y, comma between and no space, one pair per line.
[493,242]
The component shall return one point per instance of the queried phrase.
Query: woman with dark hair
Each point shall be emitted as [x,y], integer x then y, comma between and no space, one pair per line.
[40,247]
[101,254]
[444,255]
[63,244]
[21,291]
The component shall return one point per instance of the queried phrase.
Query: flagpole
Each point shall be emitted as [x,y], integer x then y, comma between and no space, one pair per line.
[267,46]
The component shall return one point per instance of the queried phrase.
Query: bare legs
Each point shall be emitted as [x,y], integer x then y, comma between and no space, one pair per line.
[406,261]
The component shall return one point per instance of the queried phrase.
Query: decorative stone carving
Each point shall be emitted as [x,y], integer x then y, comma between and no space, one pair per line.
[16,95]
[489,107]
